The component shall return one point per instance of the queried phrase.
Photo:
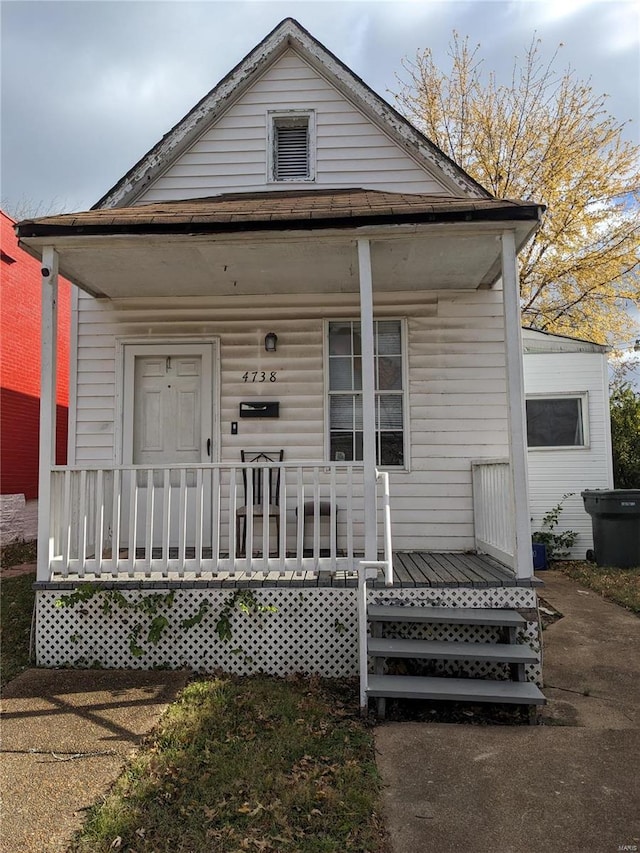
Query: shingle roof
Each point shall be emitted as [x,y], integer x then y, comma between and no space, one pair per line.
[280,210]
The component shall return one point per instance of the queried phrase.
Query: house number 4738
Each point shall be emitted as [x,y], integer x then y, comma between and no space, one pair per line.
[260,376]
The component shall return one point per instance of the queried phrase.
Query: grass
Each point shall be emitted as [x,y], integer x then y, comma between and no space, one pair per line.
[621,586]
[16,603]
[256,764]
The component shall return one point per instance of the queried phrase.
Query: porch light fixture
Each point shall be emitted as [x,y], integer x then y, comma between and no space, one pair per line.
[270,342]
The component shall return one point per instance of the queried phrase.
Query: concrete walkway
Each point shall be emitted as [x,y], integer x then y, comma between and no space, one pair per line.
[571,785]
[65,737]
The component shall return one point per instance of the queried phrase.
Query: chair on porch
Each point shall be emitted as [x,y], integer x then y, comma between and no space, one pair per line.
[261,460]
[324,511]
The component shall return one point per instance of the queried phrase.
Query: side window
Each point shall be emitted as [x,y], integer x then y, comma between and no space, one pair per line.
[558,421]
[291,146]
[345,392]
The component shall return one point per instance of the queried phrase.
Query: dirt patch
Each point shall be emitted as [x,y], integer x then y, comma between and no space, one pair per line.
[17,553]
[548,613]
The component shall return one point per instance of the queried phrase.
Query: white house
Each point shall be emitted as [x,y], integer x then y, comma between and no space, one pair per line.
[296,320]
[566,383]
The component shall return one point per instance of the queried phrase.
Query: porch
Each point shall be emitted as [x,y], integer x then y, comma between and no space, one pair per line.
[160,547]
[411,570]
[281,623]
[268,524]
[143,507]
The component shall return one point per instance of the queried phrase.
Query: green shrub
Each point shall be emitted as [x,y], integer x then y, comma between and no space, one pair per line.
[625,435]
[558,544]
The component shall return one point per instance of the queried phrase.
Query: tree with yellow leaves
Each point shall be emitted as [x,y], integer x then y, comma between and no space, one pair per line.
[548,138]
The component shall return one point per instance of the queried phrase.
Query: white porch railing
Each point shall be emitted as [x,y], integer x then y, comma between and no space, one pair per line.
[368,570]
[132,520]
[386,564]
[494,510]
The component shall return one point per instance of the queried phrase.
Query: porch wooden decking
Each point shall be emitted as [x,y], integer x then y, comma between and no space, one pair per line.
[429,568]
[411,569]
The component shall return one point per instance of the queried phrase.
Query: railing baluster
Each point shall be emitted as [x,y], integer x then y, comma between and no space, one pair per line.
[233,521]
[316,518]
[165,539]
[282,526]
[182,536]
[216,519]
[248,520]
[266,517]
[115,521]
[148,540]
[300,524]
[66,524]
[133,519]
[333,516]
[82,527]
[350,513]
[199,521]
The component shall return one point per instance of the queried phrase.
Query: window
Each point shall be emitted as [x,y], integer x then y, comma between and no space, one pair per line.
[291,146]
[345,392]
[556,421]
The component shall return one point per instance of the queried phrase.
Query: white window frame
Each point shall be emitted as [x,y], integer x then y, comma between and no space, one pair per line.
[272,120]
[404,343]
[583,397]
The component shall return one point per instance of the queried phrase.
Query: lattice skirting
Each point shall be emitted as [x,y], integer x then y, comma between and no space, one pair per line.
[274,631]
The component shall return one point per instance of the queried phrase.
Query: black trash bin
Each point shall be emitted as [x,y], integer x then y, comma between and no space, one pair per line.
[615,519]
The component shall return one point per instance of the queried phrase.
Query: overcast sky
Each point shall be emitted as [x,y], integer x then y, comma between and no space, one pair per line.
[89,86]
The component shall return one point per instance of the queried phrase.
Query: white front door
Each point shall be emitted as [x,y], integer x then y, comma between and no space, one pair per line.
[167,410]
[168,419]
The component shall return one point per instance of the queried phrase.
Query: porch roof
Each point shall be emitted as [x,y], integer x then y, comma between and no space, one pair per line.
[281,241]
[278,209]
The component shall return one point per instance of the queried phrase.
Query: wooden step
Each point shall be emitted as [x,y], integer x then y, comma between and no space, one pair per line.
[446,615]
[450,650]
[454,689]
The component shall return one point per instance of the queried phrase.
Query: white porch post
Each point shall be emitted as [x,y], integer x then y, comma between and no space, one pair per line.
[368,400]
[368,454]
[48,353]
[516,406]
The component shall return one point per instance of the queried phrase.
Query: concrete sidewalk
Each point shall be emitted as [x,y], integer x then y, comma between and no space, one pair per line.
[571,785]
[65,737]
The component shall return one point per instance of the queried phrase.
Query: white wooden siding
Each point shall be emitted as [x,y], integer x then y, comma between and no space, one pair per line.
[457,399]
[553,473]
[351,151]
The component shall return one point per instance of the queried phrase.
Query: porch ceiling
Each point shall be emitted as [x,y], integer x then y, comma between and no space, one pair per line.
[228,246]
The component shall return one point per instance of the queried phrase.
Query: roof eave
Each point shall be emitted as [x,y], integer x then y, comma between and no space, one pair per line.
[34,229]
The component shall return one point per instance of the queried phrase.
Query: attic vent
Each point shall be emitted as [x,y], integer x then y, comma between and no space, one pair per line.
[291,147]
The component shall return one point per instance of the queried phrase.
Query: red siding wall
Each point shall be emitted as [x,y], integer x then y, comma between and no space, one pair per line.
[20,283]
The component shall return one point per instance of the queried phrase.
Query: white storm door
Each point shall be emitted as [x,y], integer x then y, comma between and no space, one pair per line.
[168,421]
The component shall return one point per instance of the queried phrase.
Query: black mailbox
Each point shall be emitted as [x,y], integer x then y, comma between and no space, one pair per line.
[260,409]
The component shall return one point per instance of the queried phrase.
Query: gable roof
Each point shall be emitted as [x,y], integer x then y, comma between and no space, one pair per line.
[288,34]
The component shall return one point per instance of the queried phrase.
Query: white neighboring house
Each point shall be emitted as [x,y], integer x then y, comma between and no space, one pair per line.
[292,269]
[566,383]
